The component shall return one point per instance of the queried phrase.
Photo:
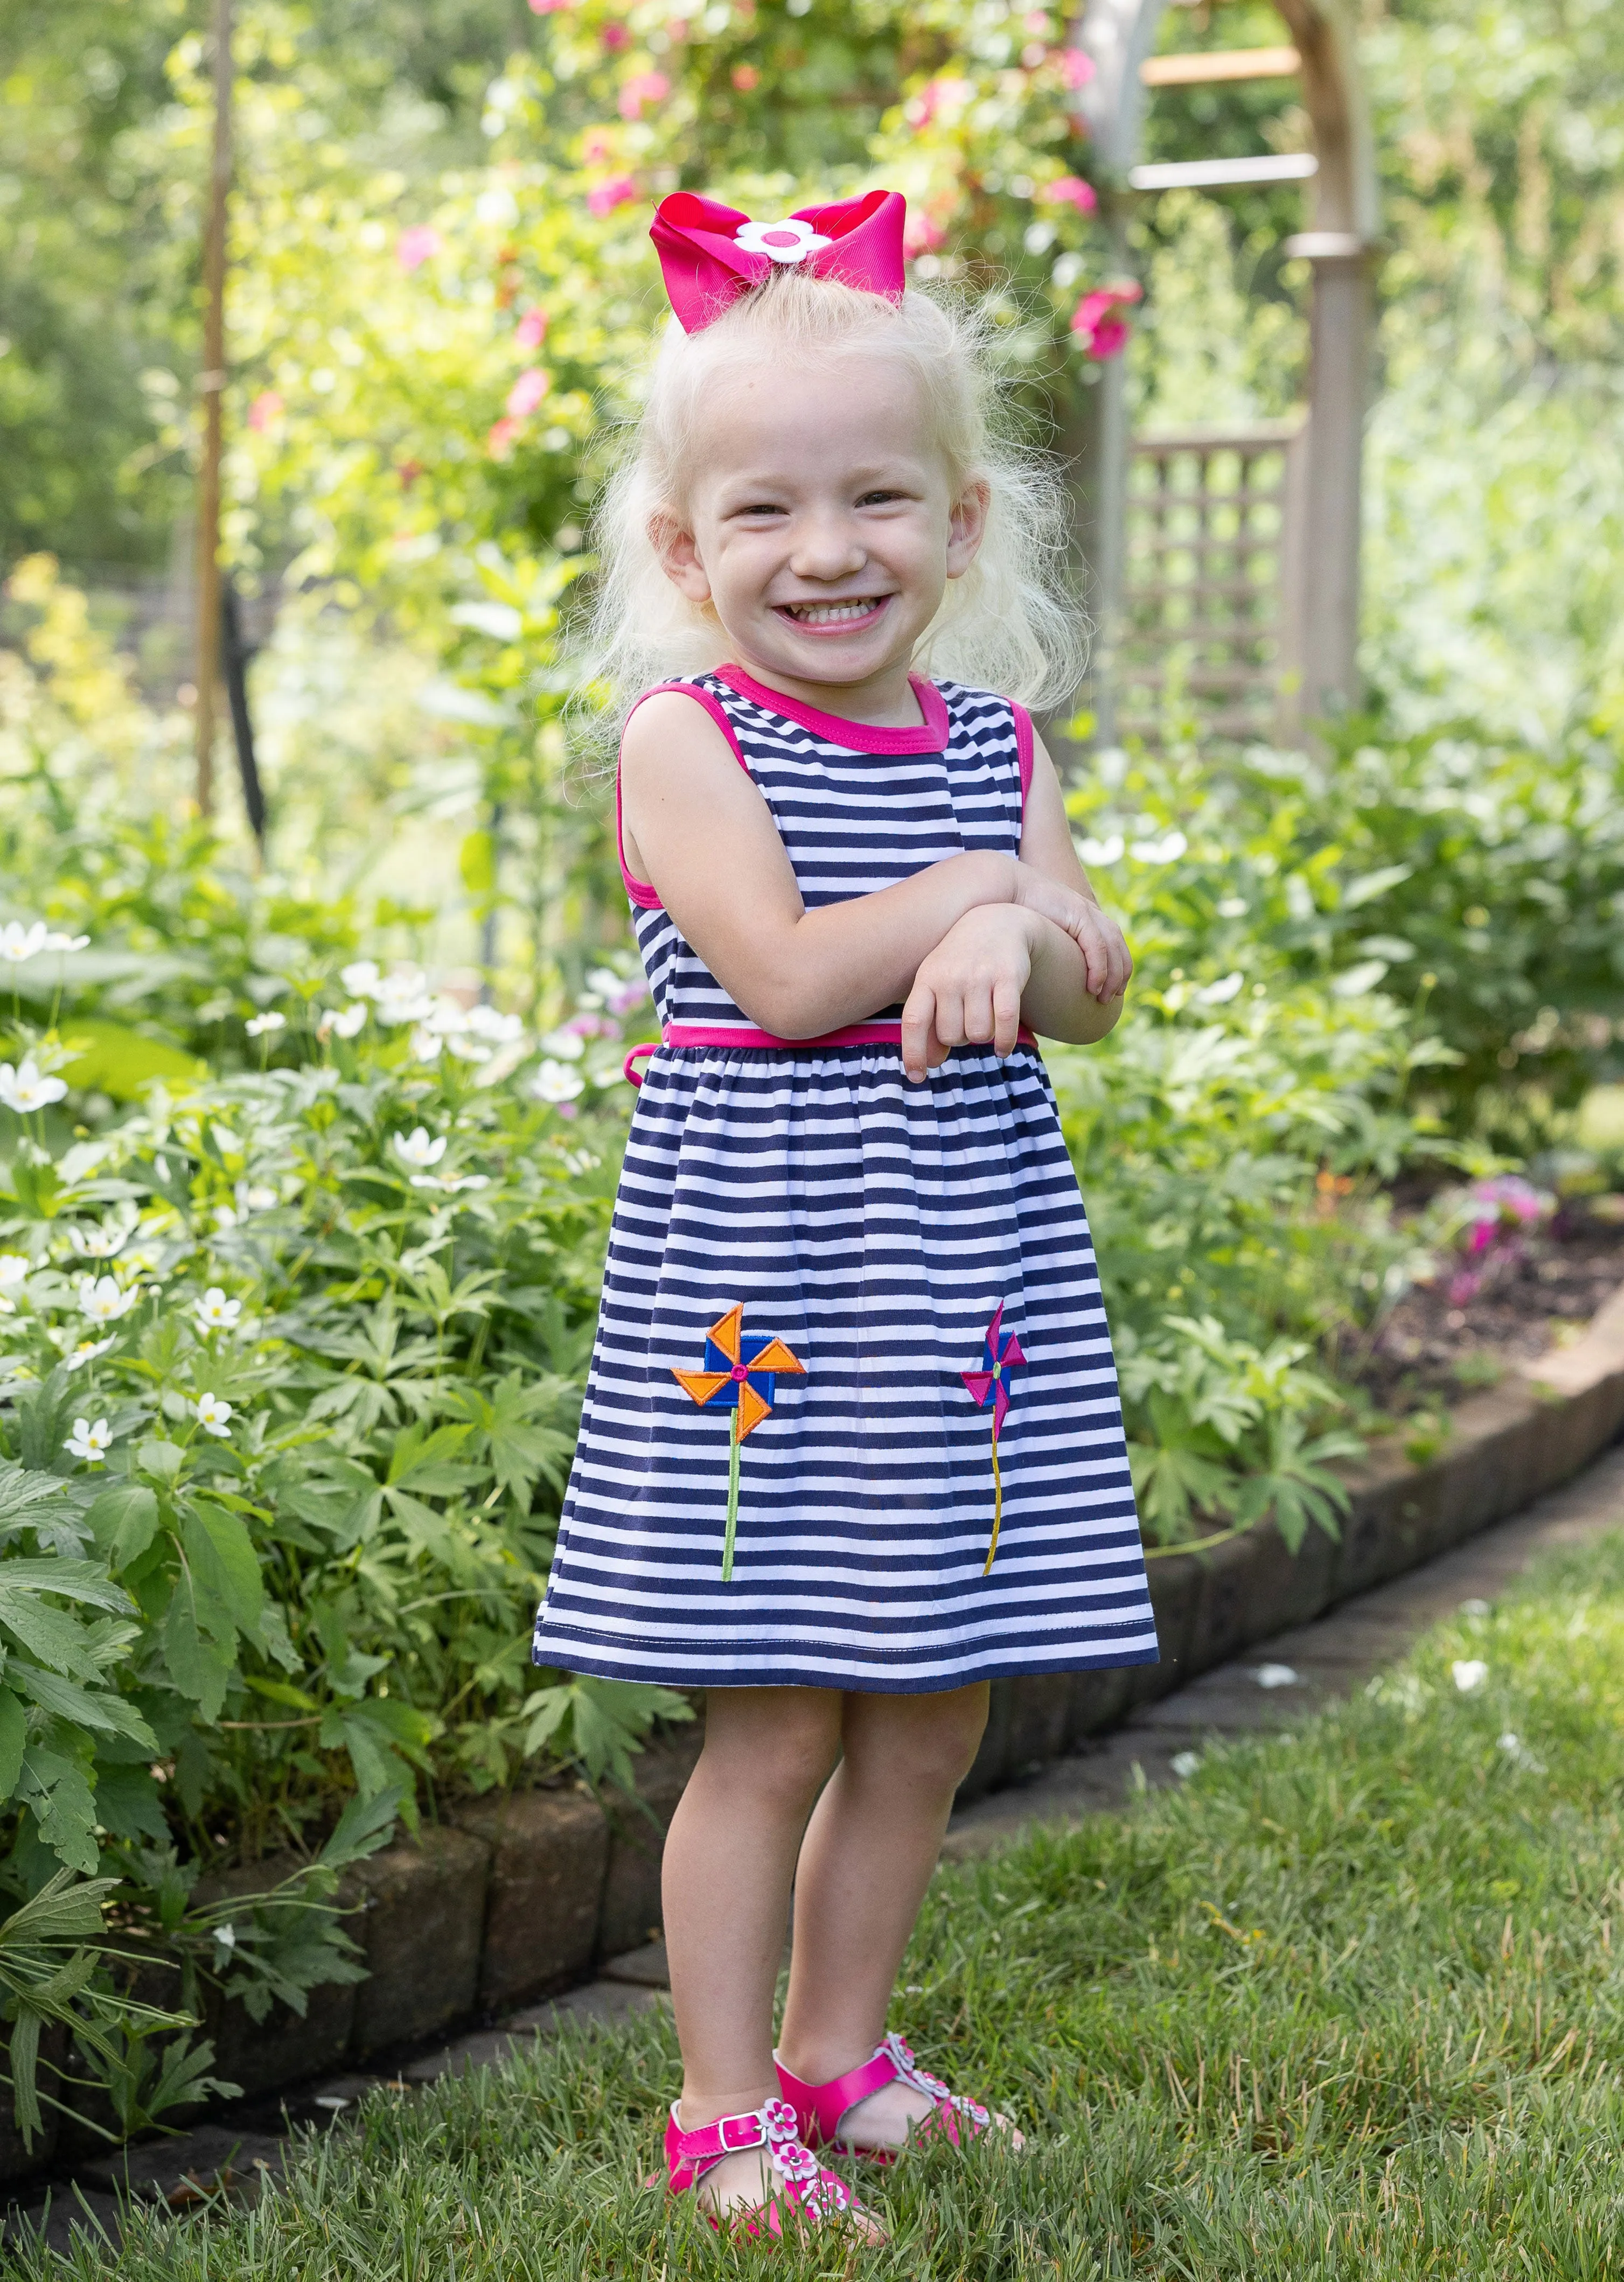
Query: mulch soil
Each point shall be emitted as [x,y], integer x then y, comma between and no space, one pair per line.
[1534,1292]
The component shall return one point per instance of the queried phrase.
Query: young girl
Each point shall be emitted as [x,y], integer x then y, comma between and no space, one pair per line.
[851,1445]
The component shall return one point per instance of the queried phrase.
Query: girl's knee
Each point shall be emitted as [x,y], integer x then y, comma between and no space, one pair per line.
[929,1741]
[782,1746]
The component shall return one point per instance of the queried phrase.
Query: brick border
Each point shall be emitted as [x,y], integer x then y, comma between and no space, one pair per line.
[521,1896]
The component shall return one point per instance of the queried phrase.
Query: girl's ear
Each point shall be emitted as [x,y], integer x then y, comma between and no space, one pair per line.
[968,527]
[679,557]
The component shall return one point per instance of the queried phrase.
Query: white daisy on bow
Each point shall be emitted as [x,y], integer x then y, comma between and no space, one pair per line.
[779,241]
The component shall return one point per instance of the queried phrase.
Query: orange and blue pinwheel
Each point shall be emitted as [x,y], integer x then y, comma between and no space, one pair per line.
[739,1369]
[1003,1355]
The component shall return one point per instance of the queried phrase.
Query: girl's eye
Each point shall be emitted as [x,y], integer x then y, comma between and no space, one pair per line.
[761,506]
[879,499]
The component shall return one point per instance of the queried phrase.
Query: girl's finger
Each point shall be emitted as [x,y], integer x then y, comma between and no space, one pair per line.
[979,1022]
[1091,944]
[1005,1015]
[918,1030]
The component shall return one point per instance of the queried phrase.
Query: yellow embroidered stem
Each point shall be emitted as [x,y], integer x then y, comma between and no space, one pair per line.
[998,1498]
[733,1502]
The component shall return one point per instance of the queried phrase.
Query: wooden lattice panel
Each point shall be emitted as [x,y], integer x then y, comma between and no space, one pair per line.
[1210,518]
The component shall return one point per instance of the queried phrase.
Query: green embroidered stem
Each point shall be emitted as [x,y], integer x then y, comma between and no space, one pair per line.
[998,1497]
[733,1502]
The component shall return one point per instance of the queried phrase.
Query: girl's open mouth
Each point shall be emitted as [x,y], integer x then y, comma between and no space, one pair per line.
[844,617]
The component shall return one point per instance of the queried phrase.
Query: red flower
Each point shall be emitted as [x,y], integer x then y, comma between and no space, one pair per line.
[615,36]
[746,78]
[1097,322]
[620,191]
[1070,191]
[499,442]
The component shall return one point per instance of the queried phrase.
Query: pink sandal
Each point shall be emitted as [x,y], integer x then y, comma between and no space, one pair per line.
[821,2108]
[809,2192]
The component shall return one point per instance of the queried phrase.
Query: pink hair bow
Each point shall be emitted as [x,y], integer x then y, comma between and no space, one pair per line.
[709,255]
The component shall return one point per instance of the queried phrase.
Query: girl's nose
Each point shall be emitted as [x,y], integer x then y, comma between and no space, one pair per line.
[830,549]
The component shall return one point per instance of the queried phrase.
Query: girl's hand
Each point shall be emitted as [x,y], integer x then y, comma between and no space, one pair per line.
[967,991]
[1105,953]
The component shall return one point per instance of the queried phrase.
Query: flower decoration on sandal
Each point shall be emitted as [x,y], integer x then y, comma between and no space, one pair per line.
[1004,1354]
[739,1369]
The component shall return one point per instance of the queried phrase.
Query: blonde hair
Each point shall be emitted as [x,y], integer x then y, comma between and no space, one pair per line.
[1011,623]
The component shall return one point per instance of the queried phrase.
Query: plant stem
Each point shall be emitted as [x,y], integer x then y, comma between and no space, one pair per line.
[733,1502]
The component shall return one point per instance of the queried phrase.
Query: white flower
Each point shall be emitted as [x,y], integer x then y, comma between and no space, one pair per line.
[554,1081]
[15,1267]
[225,1937]
[565,1046]
[451,1183]
[56,941]
[262,1025]
[1219,994]
[1474,1608]
[779,241]
[213,1415]
[1184,1763]
[486,1022]
[345,1023]
[360,978]
[19,942]
[1233,907]
[254,1196]
[1101,851]
[1275,1675]
[98,1243]
[467,1048]
[1166,851]
[87,1351]
[1470,1672]
[403,996]
[419,1148]
[100,1299]
[445,1017]
[225,1217]
[24,1089]
[215,1313]
[425,1045]
[91,1443]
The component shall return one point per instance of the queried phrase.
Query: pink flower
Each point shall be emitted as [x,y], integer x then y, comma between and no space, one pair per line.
[1516,1199]
[597,147]
[1099,328]
[1070,191]
[417,245]
[531,330]
[642,86]
[499,443]
[527,392]
[937,95]
[266,407]
[620,191]
[745,77]
[1035,20]
[550,7]
[922,235]
[1463,1288]
[615,36]
[1077,69]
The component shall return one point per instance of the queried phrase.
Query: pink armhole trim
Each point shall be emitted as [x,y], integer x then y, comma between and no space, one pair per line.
[1023,749]
[645,896]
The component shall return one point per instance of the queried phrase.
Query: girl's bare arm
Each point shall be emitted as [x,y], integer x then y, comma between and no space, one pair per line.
[1059,1001]
[698,830]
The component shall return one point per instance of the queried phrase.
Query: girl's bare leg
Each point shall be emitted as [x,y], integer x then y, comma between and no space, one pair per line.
[729,1860]
[866,1862]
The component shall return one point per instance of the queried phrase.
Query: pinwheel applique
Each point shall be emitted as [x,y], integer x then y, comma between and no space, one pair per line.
[738,1370]
[1003,1355]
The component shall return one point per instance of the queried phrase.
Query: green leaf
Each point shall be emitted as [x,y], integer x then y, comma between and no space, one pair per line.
[123,1520]
[224,1564]
[195,1666]
[63,1805]
[13,1737]
[111,1713]
[119,1062]
[365,1825]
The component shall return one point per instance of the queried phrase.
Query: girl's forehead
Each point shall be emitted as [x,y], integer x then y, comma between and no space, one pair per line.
[858,405]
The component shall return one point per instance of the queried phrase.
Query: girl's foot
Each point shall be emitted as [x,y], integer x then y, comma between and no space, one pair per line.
[751,2176]
[876,2109]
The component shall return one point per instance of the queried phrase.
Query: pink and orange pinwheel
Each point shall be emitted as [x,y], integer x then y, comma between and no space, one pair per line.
[739,1369]
[1003,1354]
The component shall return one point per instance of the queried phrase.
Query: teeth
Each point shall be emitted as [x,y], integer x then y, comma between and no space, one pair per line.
[831,614]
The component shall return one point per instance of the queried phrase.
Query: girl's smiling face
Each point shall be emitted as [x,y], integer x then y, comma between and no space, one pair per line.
[822,525]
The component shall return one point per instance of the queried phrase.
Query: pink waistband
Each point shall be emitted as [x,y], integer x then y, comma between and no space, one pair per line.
[719,1034]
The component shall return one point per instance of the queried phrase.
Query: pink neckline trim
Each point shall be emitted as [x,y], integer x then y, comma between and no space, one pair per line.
[855,736]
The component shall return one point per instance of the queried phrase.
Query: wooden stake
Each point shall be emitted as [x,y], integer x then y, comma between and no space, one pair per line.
[211,384]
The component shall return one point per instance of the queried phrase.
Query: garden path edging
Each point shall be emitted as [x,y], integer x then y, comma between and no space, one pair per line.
[516,1897]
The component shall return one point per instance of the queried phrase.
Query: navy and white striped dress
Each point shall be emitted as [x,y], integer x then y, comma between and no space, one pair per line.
[874,1227]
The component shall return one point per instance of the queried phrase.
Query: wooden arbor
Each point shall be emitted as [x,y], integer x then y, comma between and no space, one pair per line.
[1279,640]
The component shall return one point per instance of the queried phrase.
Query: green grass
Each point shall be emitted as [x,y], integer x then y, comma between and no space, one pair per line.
[1347,2005]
